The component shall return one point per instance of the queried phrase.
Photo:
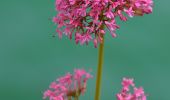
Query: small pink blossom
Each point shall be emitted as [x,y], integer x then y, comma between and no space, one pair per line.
[121,16]
[59,33]
[129,12]
[67,79]
[72,2]
[82,11]
[112,26]
[126,83]
[138,91]
[78,37]
[95,43]
[68,86]
[126,94]
[109,14]
[85,38]
[102,32]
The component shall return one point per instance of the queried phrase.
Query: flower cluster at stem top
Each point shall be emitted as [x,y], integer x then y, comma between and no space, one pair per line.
[87,19]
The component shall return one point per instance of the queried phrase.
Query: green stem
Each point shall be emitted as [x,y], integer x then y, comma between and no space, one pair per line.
[69,98]
[99,71]
[76,98]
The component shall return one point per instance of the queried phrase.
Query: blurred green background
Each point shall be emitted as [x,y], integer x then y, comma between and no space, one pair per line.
[30,58]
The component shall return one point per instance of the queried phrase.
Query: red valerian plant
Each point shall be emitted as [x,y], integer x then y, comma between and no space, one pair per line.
[86,19]
[68,86]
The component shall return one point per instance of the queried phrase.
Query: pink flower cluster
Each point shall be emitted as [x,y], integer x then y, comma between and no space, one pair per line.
[87,19]
[125,92]
[68,86]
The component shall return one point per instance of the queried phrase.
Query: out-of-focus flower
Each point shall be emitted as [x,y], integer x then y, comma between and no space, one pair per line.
[88,18]
[126,94]
[68,86]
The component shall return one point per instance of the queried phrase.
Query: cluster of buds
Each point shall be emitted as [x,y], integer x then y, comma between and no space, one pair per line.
[69,86]
[125,92]
[87,19]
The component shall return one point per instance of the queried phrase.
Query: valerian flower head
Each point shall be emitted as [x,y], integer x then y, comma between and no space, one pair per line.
[125,94]
[87,19]
[68,86]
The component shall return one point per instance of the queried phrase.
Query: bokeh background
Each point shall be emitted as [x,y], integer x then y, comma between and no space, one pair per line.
[30,58]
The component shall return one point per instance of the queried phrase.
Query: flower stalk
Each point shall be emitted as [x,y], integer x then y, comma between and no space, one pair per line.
[76,98]
[69,97]
[99,70]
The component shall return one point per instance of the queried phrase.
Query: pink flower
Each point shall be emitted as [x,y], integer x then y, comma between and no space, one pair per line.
[115,4]
[121,16]
[112,26]
[126,83]
[85,39]
[138,91]
[129,12]
[82,11]
[48,93]
[109,14]
[126,94]
[68,86]
[78,74]
[67,79]
[59,33]
[72,2]
[95,43]
[88,17]
[82,38]
[78,37]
